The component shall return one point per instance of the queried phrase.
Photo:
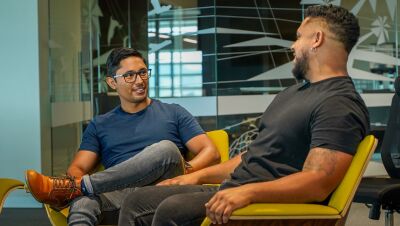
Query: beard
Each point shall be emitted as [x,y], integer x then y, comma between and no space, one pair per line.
[300,68]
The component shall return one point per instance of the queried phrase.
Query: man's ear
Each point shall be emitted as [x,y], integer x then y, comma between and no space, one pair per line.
[318,39]
[111,82]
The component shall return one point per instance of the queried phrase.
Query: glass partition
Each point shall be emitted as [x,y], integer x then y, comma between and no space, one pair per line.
[222,60]
[182,38]
[82,33]
[252,56]
[374,62]
[68,108]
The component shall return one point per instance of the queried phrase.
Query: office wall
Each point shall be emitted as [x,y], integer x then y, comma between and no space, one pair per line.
[20,146]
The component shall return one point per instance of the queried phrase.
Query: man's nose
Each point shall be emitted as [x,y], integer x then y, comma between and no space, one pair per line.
[139,79]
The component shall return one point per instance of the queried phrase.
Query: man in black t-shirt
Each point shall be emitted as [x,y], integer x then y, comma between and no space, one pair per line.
[307,138]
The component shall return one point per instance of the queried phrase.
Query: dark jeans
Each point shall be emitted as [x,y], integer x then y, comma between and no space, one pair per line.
[166,205]
[110,187]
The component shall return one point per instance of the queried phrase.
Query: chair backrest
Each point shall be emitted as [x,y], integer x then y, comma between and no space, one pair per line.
[390,149]
[221,140]
[344,193]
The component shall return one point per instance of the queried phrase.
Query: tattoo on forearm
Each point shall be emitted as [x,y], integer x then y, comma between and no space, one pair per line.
[321,159]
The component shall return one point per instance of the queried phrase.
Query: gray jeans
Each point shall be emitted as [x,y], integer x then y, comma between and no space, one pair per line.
[166,205]
[110,187]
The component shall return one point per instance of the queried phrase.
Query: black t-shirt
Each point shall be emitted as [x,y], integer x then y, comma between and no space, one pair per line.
[327,114]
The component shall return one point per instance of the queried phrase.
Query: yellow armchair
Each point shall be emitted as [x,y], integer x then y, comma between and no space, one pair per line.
[220,139]
[6,186]
[334,213]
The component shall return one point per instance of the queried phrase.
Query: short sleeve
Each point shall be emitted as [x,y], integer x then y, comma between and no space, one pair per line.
[90,141]
[187,125]
[338,123]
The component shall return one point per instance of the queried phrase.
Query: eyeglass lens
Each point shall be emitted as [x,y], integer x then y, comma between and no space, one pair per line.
[131,76]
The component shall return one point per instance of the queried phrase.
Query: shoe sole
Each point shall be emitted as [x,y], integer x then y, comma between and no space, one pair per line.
[28,188]
[57,209]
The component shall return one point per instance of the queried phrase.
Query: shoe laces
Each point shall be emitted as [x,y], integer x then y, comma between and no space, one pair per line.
[64,183]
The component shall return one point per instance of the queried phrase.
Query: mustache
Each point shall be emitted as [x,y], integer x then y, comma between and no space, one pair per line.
[139,86]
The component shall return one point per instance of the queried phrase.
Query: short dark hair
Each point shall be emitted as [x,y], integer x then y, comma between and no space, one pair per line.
[117,55]
[342,23]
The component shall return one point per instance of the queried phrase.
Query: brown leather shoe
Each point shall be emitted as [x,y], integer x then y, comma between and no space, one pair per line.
[58,192]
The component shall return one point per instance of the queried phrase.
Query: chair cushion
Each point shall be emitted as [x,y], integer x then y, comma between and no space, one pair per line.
[280,209]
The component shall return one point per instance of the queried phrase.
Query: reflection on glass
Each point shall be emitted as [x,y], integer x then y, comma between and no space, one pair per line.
[81,35]
[243,48]
[200,49]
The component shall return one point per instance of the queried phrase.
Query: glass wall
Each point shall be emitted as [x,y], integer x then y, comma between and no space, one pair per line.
[68,108]
[374,62]
[222,60]
[182,47]
[81,35]
[250,43]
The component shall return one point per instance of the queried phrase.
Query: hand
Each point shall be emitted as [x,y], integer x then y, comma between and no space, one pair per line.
[188,168]
[223,203]
[180,180]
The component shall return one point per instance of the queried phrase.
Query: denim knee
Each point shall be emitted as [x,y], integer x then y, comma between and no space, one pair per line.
[136,208]
[169,148]
[177,210]
[84,210]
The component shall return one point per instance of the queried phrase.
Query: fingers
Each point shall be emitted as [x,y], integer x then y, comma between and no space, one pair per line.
[215,213]
[218,213]
[218,209]
[172,181]
[227,213]
[209,209]
[164,182]
[210,215]
[212,200]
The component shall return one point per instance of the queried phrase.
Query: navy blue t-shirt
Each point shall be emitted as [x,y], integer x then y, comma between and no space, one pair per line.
[117,135]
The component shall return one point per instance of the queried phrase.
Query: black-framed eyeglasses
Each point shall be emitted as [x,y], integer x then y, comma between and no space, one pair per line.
[131,76]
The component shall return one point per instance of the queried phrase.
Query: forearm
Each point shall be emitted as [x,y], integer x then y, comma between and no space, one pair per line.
[83,163]
[322,172]
[75,171]
[205,158]
[302,187]
[217,173]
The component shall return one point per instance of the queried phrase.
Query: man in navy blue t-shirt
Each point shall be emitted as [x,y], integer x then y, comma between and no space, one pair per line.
[140,142]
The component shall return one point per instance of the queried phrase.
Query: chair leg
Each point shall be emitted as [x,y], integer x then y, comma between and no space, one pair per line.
[342,221]
[389,218]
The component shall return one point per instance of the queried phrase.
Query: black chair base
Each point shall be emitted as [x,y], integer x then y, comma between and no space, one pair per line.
[379,193]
